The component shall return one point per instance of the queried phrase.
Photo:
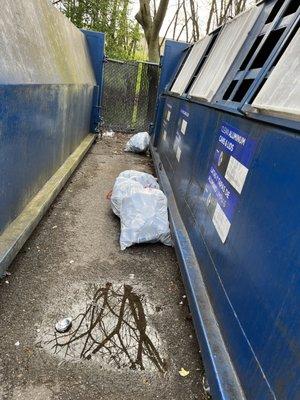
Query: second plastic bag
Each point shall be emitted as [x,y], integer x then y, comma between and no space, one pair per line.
[138,143]
[144,218]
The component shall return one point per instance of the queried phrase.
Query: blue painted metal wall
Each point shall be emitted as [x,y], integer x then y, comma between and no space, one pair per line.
[50,85]
[252,279]
[174,54]
[96,44]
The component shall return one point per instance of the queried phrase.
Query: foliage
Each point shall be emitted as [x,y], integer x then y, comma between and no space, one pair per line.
[109,16]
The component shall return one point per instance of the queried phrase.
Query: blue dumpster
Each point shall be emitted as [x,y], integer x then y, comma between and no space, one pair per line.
[226,147]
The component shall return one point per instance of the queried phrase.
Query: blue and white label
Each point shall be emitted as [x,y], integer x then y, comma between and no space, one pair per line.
[227,176]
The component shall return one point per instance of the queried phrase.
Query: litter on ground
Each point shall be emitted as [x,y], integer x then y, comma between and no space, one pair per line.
[138,143]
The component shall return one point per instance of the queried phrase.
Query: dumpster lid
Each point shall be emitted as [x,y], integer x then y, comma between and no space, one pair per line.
[280,95]
[223,54]
[190,65]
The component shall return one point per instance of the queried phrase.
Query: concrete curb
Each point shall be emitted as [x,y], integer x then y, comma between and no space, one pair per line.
[19,230]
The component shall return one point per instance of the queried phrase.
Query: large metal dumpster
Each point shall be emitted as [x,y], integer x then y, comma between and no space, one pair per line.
[50,86]
[226,146]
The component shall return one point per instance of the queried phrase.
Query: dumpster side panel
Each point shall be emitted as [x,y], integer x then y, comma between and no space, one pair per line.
[231,173]
[47,84]
[252,278]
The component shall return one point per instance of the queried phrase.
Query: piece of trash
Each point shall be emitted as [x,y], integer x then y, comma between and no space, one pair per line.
[71,261]
[7,282]
[131,276]
[108,195]
[181,303]
[54,227]
[7,273]
[63,325]
[127,183]
[205,385]
[123,187]
[184,296]
[183,372]
[17,344]
[144,218]
[109,134]
[138,143]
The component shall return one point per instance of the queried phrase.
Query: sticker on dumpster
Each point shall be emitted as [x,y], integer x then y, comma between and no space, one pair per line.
[233,155]
[220,199]
[164,135]
[182,122]
[168,113]
[185,113]
[183,126]
[167,116]
[227,176]
[176,146]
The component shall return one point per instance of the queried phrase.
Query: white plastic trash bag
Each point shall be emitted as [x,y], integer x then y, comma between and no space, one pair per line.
[128,182]
[138,143]
[144,218]
[147,180]
[123,187]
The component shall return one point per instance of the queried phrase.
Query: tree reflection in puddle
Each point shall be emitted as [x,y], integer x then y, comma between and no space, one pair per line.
[113,327]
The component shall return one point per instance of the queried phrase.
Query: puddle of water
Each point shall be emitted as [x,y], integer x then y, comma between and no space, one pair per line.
[111,327]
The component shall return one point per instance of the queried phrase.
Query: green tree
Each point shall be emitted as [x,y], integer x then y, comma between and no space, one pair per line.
[109,16]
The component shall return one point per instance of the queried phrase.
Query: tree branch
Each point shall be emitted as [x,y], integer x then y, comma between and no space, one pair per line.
[143,17]
[159,17]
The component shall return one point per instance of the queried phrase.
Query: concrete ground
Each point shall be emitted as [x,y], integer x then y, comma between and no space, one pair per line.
[73,266]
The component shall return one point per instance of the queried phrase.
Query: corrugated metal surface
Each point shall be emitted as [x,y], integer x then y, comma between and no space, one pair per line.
[225,50]
[280,95]
[190,65]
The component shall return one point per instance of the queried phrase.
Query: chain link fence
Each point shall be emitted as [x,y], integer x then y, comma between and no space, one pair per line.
[129,96]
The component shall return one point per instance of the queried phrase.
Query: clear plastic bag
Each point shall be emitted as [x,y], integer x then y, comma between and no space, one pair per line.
[144,218]
[138,143]
[147,180]
[123,187]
